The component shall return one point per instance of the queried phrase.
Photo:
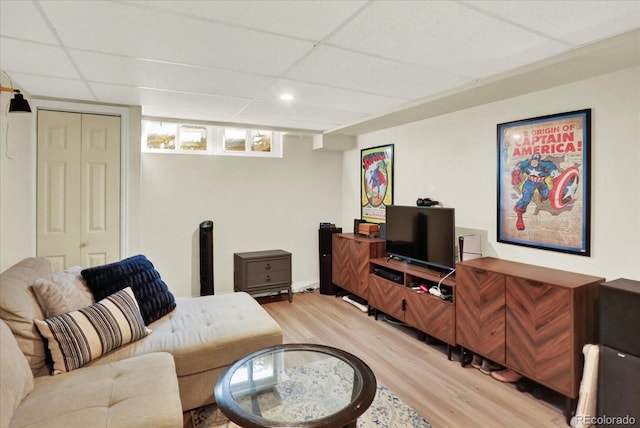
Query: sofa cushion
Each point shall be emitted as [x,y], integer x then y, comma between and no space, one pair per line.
[77,337]
[136,272]
[207,332]
[139,392]
[62,292]
[19,307]
[16,379]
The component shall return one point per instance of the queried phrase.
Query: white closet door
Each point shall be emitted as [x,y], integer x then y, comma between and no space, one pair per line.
[78,196]
[100,213]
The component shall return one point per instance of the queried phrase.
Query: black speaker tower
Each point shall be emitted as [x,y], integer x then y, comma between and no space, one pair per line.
[619,362]
[206,258]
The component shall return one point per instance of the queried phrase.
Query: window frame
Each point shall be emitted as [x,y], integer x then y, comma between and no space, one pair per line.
[215,136]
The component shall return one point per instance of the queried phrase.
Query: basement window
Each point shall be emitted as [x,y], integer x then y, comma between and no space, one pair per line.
[159,136]
[248,142]
[195,138]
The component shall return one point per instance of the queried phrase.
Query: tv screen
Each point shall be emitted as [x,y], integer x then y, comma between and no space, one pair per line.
[425,235]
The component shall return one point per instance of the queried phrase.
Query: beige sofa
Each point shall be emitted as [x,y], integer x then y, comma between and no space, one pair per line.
[204,335]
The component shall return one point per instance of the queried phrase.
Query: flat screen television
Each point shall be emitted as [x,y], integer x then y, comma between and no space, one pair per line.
[424,235]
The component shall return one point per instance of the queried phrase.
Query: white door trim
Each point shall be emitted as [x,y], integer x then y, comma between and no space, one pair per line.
[75,107]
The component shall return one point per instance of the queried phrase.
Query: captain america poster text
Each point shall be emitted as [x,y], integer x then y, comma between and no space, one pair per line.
[376,182]
[544,182]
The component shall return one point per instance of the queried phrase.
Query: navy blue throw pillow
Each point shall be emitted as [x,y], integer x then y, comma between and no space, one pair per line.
[137,272]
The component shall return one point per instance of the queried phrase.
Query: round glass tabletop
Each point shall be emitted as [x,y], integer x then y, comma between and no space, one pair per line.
[302,385]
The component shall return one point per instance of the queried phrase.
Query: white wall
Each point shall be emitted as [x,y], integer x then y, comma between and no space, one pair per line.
[452,159]
[277,203]
[255,204]
[17,200]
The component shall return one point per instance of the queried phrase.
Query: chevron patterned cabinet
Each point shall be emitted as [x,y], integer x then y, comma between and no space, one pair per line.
[350,261]
[531,319]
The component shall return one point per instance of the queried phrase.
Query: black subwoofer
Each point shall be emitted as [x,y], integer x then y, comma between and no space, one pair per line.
[620,315]
[325,248]
[618,389]
[619,362]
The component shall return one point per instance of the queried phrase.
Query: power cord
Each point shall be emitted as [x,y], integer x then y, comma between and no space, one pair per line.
[437,291]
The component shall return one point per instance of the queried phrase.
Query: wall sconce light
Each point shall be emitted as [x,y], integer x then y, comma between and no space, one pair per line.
[18,104]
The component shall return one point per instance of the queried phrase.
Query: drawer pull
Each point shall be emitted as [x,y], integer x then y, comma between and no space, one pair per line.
[535,283]
[267,267]
[267,279]
[476,270]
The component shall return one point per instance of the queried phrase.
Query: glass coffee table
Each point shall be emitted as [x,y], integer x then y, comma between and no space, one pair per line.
[296,385]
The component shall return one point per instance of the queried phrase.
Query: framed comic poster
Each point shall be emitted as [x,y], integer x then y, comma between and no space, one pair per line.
[544,196]
[376,182]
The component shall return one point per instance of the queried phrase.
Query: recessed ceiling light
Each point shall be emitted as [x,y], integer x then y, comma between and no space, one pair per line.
[286,97]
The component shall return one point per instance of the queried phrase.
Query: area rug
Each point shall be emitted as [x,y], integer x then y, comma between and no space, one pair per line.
[387,409]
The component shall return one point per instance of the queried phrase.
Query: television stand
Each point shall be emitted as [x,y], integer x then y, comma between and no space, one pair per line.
[423,311]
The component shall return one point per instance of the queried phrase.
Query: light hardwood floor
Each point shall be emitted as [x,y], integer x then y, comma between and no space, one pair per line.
[442,391]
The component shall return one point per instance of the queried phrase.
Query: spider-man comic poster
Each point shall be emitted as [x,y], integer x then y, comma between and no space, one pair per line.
[543,182]
[376,174]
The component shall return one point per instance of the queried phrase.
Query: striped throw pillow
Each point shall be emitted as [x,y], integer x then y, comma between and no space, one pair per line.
[77,337]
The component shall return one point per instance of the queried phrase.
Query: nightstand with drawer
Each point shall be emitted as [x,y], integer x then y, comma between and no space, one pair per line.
[262,272]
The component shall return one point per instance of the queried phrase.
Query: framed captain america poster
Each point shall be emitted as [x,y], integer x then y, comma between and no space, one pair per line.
[544,198]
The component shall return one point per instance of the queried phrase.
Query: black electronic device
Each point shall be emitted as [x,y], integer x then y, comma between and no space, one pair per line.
[619,315]
[424,235]
[206,258]
[325,238]
[426,202]
[391,276]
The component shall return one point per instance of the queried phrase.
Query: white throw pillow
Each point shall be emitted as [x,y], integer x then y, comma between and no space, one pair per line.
[62,292]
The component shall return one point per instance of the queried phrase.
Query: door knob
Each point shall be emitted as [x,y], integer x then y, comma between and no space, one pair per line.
[83,244]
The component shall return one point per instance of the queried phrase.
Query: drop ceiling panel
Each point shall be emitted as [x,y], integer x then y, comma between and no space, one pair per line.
[311,20]
[42,59]
[444,36]
[273,121]
[350,70]
[573,21]
[211,104]
[344,61]
[332,98]
[162,75]
[149,33]
[53,87]
[299,112]
[21,19]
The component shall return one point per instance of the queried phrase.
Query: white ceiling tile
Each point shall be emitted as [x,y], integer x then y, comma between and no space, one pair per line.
[344,69]
[21,20]
[128,71]
[149,33]
[298,112]
[444,36]
[573,21]
[312,20]
[42,59]
[178,101]
[54,87]
[344,61]
[272,121]
[286,123]
[308,94]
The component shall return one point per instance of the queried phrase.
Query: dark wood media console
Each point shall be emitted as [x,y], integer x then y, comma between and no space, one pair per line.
[425,312]
[530,319]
